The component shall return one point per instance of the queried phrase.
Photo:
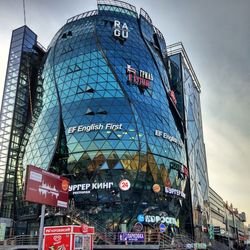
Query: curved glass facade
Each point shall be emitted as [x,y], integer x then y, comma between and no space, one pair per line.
[109,122]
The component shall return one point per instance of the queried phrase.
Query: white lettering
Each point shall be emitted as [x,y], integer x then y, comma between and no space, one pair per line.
[117,32]
[125,31]
[117,24]
[162,219]
[71,130]
[168,137]
[175,192]
[85,188]
[94,127]
[121,32]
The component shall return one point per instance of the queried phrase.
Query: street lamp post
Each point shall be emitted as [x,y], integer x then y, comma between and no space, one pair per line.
[40,239]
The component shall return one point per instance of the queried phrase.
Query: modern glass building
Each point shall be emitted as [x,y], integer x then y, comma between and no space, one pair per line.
[187,90]
[21,104]
[121,118]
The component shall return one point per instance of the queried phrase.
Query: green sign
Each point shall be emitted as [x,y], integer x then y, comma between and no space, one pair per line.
[2,230]
[200,246]
[211,232]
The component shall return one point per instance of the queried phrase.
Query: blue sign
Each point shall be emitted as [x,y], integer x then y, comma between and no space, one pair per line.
[140,218]
[131,237]
[162,228]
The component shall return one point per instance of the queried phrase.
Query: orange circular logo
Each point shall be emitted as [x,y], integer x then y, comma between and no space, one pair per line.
[156,188]
[65,185]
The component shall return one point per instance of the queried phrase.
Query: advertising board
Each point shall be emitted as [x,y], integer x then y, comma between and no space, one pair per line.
[57,242]
[70,237]
[129,237]
[46,188]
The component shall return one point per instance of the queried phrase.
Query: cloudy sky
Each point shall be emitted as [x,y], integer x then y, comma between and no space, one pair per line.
[216,35]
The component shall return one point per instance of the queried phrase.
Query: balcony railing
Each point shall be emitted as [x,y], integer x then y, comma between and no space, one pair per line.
[160,240]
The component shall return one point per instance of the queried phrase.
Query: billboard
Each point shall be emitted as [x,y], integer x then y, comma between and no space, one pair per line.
[46,188]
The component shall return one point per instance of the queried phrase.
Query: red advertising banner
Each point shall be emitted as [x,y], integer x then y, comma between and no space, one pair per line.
[57,242]
[71,237]
[58,230]
[46,188]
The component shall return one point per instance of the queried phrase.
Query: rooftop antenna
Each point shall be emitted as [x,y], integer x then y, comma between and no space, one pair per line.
[24,14]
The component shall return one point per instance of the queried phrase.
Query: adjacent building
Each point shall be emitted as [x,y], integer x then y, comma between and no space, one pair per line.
[186,87]
[117,111]
[226,221]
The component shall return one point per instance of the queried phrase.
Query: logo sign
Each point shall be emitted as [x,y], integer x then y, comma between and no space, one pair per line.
[124,185]
[156,188]
[57,237]
[140,218]
[168,137]
[130,237]
[138,227]
[84,228]
[86,188]
[94,127]
[2,231]
[162,228]
[142,80]
[162,219]
[211,232]
[173,191]
[120,30]
[46,188]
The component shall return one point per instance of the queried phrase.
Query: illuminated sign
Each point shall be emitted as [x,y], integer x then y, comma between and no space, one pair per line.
[94,127]
[124,185]
[86,188]
[174,192]
[2,231]
[46,188]
[129,237]
[161,219]
[138,227]
[168,137]
[140,218]
[120,31]
[162,228]
[156,188]
[142,80]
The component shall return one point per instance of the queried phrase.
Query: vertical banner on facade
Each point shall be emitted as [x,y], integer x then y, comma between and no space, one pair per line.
[46,188]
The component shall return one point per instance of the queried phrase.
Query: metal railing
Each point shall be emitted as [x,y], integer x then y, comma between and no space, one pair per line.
[109,238]
[20,240]
[102,235]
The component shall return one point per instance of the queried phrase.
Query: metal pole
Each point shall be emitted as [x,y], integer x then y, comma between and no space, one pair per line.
[40,240]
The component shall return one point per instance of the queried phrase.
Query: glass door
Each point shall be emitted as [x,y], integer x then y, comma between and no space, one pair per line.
[86,242]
